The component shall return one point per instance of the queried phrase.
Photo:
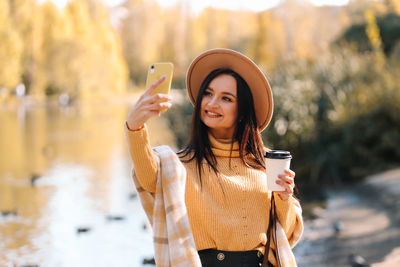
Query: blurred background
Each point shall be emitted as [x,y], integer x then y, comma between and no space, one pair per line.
[71,69]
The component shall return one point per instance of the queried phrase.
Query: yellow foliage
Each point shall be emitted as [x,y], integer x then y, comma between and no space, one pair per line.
[89,63]
[395,4]
[75,49]
[142,32]
[4,15]
[269,43]
[10,52]
[77,13]
[374,36]
[373,30]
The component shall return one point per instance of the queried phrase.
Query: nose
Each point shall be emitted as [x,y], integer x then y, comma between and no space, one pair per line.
[213,102]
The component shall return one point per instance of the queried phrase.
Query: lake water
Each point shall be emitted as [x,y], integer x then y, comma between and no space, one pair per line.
[66,195]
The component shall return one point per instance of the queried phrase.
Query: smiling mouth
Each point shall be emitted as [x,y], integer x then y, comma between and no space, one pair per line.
[213,114]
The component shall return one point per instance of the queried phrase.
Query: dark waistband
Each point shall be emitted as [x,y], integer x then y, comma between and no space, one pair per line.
[220,258]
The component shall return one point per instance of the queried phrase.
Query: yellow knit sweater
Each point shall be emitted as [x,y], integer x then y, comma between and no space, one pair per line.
[229,212]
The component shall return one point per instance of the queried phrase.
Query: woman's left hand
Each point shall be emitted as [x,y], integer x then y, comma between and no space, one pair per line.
[287,181]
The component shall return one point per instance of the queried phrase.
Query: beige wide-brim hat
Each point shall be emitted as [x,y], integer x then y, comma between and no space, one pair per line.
[218,58]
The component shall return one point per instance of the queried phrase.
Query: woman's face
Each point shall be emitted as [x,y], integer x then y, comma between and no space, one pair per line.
[219,106]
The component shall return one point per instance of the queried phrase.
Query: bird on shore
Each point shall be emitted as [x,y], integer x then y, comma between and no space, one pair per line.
[338,227]
[145,226]
[132,195]
[149,261]
[115,218]
[357,261]
[9,213]
[81,230]
[34,177]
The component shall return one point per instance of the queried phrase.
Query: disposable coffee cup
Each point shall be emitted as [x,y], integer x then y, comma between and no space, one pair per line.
[276,161]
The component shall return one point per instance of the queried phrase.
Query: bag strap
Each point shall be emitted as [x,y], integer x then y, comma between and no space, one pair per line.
[271,234]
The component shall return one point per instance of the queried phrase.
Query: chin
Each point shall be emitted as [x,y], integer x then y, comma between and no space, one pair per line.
[211,125]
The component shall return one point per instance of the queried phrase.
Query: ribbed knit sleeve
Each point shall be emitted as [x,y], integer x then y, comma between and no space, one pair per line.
[142,157]
[286,214]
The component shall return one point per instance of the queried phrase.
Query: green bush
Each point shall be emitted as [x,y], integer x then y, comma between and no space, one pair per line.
[340,117]
[389,27]
[370,142]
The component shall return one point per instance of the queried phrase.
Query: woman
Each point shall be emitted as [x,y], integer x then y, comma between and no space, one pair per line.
[226,195]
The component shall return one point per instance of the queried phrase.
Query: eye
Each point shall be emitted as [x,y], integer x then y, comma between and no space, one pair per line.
[225,98]
[207,93]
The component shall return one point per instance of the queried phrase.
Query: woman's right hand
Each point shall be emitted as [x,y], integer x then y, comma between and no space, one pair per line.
[148,106]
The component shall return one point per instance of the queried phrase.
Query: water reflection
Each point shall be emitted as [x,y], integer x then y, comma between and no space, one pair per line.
[63,174]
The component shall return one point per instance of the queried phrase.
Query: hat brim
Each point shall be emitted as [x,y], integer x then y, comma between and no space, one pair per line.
[218,58]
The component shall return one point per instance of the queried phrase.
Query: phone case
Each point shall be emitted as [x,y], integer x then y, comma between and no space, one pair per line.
[155,72]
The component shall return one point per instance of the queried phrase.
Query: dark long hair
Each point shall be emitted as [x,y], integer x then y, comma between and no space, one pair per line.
[246,131]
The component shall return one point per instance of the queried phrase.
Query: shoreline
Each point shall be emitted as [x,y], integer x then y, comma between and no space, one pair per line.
[360,220]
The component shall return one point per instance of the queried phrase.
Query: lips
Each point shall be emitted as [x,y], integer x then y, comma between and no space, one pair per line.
[212,114]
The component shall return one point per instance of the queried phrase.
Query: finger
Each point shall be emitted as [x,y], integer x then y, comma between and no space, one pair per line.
[160,98]
[156,99]
[286,179]
[158,106]
[155,85]
[151,113]
[283,195]
[288,187]
[290,173]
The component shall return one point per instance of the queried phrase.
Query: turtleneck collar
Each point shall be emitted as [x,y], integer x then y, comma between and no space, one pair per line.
[222,147]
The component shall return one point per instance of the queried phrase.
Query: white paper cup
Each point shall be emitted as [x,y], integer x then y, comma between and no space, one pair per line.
[276,162]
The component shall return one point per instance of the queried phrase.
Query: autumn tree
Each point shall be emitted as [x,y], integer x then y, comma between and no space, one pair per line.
[87,60]
[10,52]
[27,20]
[141,32]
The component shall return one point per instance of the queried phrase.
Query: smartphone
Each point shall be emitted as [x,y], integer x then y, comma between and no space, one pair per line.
[155,72]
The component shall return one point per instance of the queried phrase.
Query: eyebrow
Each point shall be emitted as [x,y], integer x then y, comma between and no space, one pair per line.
[227,93]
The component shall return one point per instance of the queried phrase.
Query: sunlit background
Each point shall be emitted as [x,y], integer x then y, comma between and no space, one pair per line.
[71,69]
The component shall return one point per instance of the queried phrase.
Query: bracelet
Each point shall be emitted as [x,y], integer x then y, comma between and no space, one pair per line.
[138,129]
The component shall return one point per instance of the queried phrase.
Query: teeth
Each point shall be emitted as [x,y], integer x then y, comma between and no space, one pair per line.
[212,113]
